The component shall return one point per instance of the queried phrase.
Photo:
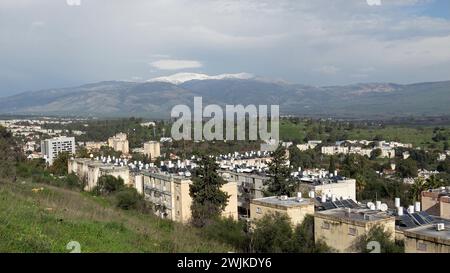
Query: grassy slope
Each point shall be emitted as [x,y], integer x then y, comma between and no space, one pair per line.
[47,220]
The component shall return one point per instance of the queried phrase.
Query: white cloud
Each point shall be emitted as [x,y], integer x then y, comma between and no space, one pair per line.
[172,64]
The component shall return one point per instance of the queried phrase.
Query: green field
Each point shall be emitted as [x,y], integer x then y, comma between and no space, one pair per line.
[419,136]
[47,220]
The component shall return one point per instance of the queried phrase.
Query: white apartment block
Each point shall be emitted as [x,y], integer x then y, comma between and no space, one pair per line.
[51,148]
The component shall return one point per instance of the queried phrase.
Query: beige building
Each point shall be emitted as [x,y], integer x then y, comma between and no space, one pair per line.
[94,146]
[170,195]
[119,143]
[340,228]
[427,239]
[152,149]
[437,202]
[295,208]
[89,171]
[250,186]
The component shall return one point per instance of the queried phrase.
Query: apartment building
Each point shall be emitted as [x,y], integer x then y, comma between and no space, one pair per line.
[94,145]
[339,228]
[296,208]
[152,149]
[119,143]
[309,145]
[90,170]
[433,238]
[250,186]
[337,187]
[51,148]
[437,202]
[170,195]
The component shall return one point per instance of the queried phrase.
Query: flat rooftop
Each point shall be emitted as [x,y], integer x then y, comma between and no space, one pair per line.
[275,201]
[355,215]
[430,233]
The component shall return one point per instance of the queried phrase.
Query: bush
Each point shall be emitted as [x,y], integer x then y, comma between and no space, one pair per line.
[378,234]
[272,234]
[73,181]
[108,184]
[229,231]
[128,198]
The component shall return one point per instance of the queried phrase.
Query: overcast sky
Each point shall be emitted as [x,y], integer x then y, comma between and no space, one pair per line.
[56,43]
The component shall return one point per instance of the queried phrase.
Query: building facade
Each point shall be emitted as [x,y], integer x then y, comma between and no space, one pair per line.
[89,171]
[152,149]
[427,239]
[170,195]
[340,228]
[295,208]
[119,143]
[437,202]
[51,148]
[250,186]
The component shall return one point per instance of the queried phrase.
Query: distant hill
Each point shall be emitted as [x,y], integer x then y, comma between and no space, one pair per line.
[154,99]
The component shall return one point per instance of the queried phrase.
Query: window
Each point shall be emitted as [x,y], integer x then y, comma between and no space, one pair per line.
[258,210]
[352,231]
[421,246]
[325,225]
[178,197]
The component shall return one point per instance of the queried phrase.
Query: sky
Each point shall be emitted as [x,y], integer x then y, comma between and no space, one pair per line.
[61,43]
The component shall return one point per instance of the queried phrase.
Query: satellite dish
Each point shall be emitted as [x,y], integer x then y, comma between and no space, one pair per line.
[370,205]
[383,207]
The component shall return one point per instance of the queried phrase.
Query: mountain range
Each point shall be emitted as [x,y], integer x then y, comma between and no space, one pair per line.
[155,98]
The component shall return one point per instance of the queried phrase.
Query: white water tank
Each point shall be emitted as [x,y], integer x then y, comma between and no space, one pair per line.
[399,211]
[411,209]
[397,202]
[312,194]
[417,207]
[378,205]
[333,197]
[299,195]
[324,198]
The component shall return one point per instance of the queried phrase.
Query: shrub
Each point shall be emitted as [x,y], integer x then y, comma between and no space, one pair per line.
[128,198]
[108,184]
[229,231]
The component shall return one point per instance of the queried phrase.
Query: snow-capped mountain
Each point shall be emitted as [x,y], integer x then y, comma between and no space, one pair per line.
[180,78]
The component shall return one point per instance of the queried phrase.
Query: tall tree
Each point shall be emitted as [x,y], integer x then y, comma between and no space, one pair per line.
[332,166]
[417,188]
[280,182]
[60,164]
[208,199]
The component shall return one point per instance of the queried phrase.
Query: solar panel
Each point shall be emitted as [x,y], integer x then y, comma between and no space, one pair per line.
[418,219]
[328,205]
[338,204]
[352,203]
[407,221]
[426,216]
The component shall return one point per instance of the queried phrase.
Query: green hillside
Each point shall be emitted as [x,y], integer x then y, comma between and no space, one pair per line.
[43,218]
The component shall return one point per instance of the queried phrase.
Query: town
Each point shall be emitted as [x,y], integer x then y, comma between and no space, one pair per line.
[263,187]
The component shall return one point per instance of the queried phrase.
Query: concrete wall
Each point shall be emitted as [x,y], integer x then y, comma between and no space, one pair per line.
[341,235]
[296,214]
[417,245]
[345,189]
[445,207]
